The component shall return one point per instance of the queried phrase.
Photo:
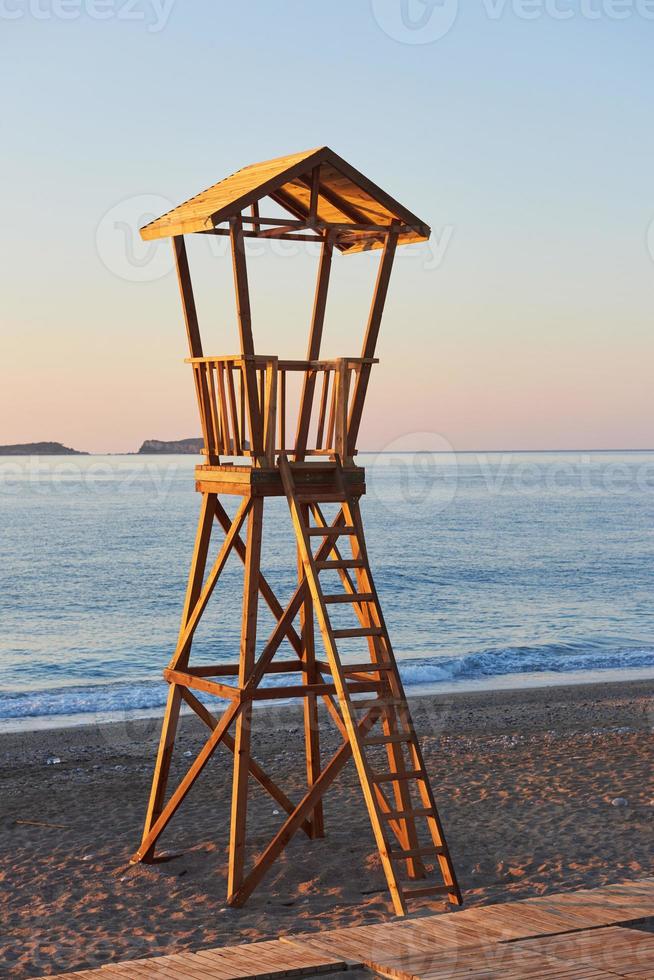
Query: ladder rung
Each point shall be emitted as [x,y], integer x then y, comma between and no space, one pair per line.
[350,597]
[427,890]
[399,777]
[414,852]
[403,814]
[364,631]
[334,531]
[388,739]
[339,563]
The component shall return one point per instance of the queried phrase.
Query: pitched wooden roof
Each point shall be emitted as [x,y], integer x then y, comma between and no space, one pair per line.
[345,196]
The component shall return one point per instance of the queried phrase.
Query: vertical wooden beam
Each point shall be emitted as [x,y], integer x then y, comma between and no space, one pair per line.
[188,300]
[194,340]
[313,349]
[171,716]
[311,722]
[244,316]
[269,403]
[341,395]
[244,721]
[370,340]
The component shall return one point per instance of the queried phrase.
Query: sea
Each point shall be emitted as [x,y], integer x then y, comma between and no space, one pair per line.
[495,570]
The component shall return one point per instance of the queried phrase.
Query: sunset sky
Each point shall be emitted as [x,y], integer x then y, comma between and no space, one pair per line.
[525,141]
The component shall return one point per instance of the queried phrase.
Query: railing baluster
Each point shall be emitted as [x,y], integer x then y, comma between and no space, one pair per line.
[236,449]
[269,409]
[323,408]
[341,392]
[329,440]
[245,427]
[198,391]
[282,412]
[224,417]
[214,409]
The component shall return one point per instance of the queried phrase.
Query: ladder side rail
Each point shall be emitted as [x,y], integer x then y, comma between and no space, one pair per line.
[339,679]
[424,785]
[398,828]
[382,652]
[310,675]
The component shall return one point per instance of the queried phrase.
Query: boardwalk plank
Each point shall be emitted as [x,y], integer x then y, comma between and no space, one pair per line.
[567,936]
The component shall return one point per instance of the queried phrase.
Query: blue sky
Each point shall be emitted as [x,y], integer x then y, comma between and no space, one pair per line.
[522,135]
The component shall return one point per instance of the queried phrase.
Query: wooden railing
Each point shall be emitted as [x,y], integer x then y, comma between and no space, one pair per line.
[259,406]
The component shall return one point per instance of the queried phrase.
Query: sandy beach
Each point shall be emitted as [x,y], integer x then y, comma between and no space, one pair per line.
[525,782]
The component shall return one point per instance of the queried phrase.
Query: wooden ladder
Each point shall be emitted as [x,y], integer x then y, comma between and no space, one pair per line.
[406,825]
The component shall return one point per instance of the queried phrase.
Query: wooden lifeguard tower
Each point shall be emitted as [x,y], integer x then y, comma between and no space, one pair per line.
[245,410]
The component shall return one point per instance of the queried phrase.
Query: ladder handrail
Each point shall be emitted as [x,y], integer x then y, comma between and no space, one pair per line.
[401,816]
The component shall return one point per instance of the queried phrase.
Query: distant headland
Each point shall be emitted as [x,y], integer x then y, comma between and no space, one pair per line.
[40,449]
[190,446]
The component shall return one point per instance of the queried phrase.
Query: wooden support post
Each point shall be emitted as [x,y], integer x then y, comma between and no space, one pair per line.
[194,339]
[342,393]
[269,406]
[171,716]
[242,292]
[370,340]
[244,721]
[313,350]
[309,676]
[186,633]
[188,300]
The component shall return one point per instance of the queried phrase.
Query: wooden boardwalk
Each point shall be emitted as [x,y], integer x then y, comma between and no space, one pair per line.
[572,936]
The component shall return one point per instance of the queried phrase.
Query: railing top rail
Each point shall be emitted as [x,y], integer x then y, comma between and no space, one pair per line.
[285,365]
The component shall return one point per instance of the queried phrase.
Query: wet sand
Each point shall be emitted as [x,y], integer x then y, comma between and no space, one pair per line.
[524,780]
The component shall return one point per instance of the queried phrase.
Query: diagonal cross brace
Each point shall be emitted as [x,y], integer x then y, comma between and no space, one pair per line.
[294,821]
[190,626]
[261,776]
[234,709]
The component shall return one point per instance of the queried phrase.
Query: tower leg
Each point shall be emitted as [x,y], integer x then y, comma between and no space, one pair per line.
[244,721]
[311,729]
[171,716]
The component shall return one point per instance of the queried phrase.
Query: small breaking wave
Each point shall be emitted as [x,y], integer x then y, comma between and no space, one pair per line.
[424,672]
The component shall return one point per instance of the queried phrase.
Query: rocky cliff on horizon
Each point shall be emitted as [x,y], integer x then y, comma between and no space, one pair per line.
[40,449]
[189,446]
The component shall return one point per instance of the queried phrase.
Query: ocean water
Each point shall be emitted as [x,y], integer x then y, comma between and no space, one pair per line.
[494,569]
